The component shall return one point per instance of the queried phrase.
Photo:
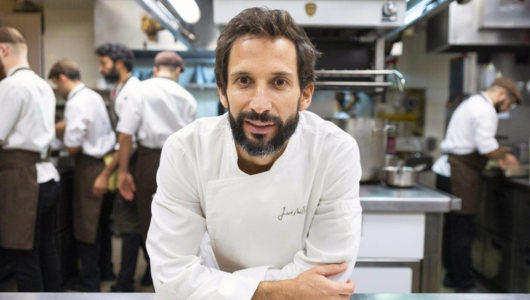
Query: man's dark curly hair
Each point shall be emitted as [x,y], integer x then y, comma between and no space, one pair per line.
[269,23]
[117,52]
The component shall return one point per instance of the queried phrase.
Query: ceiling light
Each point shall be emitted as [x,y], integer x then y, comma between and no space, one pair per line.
[187,10]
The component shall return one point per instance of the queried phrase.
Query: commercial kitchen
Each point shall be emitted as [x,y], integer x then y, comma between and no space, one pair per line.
[392,74]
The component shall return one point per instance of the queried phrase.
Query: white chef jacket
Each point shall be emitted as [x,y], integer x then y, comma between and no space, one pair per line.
[87,122]
[163,108]
[305,211]
[27,117]
[471,128]
[125,91]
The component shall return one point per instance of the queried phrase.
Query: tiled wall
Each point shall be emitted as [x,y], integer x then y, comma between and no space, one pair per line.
[429,72]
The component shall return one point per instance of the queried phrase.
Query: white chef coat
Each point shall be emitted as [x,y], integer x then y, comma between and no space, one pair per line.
[125,91]
[27,117]
[471,128]
[87,122]
[315,182]
[163,108]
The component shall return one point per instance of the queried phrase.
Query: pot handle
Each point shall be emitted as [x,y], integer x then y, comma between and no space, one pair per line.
[420,168]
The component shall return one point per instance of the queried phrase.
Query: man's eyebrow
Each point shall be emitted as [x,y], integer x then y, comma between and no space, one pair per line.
[245,73]
[239,73]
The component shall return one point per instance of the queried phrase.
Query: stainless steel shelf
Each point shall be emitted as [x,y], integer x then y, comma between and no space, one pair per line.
[326,76]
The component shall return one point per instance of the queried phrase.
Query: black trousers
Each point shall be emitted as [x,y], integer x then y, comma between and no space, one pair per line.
[89,254]
[131,243]
[458,233]
[39,269]
[105,257]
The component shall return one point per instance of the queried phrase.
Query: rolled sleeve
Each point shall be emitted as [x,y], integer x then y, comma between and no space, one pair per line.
[175,234]
[131,114]
[76,125]
[10,108]
[485,129]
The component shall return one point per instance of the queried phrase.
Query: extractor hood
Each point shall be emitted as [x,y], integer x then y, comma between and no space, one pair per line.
[380,14]
[481,26]
[419,10]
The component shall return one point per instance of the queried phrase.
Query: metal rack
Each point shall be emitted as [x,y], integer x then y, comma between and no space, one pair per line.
[325,76]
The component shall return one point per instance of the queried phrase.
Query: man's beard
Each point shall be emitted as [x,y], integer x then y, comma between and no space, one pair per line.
[260,147]
[113,76]
[498,105]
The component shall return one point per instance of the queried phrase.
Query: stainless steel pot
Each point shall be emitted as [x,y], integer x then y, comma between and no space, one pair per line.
[401,176]
[371,135]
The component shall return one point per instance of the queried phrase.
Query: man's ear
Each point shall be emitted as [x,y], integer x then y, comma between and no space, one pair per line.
[62,78]
[307,96]
[222,97]
[119,65]
[503,93]
[4,50]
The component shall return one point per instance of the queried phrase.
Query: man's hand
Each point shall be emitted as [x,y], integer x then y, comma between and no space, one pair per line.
[127,186]
[310,285]
[508,162]
[101,185]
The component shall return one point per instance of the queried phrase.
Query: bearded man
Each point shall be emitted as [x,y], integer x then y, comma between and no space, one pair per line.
[262,202]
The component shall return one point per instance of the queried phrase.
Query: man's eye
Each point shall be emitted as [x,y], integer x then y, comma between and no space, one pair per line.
[280,82]
[243,80]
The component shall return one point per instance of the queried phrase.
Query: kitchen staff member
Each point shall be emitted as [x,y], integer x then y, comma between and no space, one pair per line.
[29,187]
[116,63]
[164,108]
[275,187]
[88,136]
[468,144]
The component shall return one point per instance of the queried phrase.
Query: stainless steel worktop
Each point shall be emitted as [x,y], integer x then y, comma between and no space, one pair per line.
[381,198]
[151,296]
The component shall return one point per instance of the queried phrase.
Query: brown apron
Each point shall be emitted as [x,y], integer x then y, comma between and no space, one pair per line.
[146,168]
[19,196]
[125,212]
[86,206]
[466,179]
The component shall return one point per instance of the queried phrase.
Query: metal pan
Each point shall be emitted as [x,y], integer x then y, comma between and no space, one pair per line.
[401,176]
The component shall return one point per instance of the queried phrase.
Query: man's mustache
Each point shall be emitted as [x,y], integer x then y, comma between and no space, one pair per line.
[263,117]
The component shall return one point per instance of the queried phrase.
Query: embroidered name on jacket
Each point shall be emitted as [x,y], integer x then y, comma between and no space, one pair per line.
[293,213]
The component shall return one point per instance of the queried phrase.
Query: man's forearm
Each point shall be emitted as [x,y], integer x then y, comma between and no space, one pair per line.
[125,152]
[60,128]
[113,164]
[274,290]
[72,151]
[496,154]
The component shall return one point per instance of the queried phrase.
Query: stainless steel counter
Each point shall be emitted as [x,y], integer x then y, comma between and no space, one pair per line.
[151,296]
[377,197]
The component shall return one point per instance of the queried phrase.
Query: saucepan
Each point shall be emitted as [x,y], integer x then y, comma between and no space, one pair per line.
[401,176]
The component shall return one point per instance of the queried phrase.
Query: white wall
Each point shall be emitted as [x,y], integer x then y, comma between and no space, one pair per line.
[429,72]
[69,33]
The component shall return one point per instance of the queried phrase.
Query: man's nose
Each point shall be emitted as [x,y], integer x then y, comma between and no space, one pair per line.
[261,99]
